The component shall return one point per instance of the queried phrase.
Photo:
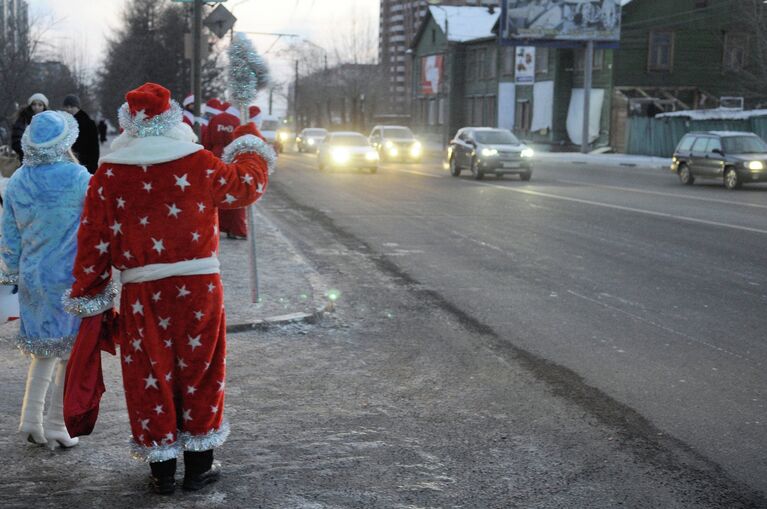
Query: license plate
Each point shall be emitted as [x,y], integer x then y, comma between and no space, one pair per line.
[510,165]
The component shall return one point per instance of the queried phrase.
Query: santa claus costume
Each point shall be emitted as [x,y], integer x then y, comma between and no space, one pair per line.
[151,211]
[189,117]
[220,130]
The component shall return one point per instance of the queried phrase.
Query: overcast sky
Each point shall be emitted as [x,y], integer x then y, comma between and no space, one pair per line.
[85,24]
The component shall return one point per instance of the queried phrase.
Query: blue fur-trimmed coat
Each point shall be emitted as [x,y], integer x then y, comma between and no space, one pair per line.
[41,215]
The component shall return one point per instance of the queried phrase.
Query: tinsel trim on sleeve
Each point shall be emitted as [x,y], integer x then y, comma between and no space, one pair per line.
[8,279]
[253,145]
[90,306]
[210,440]
[155,453]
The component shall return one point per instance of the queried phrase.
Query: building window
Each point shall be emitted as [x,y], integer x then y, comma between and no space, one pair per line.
[433,36]
[491,113]
[580,59]
[735,52]
[661,51]
[481,64]
[476,117]
[507,67]
[492,62]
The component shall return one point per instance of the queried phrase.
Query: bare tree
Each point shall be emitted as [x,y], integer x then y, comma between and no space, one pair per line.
[753,75]
[149,46]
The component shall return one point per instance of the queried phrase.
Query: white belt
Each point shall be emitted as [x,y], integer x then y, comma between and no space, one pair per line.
[156,271]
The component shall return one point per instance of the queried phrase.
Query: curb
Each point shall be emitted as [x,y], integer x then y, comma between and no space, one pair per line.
[280,320]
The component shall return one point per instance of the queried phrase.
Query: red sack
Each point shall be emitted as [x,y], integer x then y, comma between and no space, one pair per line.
[84,382]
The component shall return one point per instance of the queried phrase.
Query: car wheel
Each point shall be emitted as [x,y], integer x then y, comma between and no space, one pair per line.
[731,179]
[373,170]
[455,170]
[525,176]
[685,176]
[475,171]
[321,165]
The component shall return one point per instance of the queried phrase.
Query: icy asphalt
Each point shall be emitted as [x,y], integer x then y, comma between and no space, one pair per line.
[398,399]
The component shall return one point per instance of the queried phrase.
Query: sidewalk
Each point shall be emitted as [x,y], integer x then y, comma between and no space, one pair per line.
[626,160]
[99,472]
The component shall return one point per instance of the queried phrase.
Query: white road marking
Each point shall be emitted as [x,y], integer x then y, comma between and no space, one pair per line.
[626,209]
[661,193]
[656,324]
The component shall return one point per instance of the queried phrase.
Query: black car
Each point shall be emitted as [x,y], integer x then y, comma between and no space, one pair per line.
[489,150]
[735,157]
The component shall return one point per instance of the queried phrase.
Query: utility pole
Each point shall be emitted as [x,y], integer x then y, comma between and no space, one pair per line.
[196,62]
[295,101]
[588,69]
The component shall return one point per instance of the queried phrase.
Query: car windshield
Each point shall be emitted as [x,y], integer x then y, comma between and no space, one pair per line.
[744,145]
[349,140]
[398,132]
[499,137]
[270,125]
[315,132]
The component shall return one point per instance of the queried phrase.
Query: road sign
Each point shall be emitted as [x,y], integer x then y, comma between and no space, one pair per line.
[220,21]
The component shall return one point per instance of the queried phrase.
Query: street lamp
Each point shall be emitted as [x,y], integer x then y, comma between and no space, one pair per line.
[445,78]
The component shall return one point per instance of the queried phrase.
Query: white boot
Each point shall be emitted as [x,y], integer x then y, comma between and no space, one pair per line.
[38,379]
[55,429]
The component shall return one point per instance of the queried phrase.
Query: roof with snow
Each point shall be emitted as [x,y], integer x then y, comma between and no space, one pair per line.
[465,23]
[715,114]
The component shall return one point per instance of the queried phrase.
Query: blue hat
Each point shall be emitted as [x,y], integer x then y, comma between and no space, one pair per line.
[49,137]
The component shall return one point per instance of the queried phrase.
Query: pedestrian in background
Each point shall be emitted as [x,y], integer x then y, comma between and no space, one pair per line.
[102,131]
[37,103]
[42,207]
[86,148]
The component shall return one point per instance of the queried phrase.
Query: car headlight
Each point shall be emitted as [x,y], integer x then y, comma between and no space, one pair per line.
[416,149]
[340,156]
[371,155]
[310,141]
[755,165]
[489,152]
[389,145]
[393,151]
[284,137]
[527,153]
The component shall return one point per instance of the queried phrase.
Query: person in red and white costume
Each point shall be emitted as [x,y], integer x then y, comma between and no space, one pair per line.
[189,117]
[151,211]
[220,131]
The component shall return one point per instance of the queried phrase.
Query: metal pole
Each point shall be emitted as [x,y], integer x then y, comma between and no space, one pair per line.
[196,62]
[446,78]
[251,219]
[588,68]
[295,101]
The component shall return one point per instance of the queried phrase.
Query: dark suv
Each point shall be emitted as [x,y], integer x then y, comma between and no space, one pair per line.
[735,157]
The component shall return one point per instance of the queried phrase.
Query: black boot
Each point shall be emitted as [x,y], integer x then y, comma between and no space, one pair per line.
[163,478]
[200,469]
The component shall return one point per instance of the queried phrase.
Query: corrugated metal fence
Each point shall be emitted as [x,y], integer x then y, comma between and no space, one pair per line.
[660,136]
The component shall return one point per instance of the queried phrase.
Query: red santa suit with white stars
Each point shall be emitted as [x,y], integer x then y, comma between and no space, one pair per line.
[155,201]
[220,131]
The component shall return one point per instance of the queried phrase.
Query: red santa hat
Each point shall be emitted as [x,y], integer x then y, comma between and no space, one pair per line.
[188,100]
[149,111]
[254,112]
[213,106]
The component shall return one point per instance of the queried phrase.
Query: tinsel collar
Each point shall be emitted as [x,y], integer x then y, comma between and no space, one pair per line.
[54,150]
[139,126]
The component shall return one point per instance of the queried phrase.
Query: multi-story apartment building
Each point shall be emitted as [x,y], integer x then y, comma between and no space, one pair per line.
[399,21]
[14,22]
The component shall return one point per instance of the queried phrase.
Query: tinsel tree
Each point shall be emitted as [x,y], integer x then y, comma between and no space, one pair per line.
[248,72]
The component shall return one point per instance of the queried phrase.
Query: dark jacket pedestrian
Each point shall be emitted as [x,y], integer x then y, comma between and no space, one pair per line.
[86,148]
[35,104]
[102,131]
